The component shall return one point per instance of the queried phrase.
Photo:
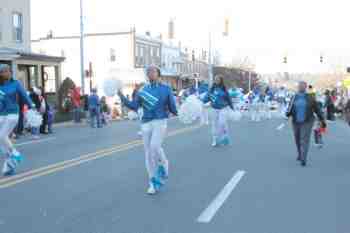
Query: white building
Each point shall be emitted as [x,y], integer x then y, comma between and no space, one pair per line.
[120,54]
[31,69]
[170,67]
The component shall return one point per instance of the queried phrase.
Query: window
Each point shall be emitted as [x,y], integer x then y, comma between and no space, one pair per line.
[112,55]
[141,51]
[63,53]
[155,51]
[137,52]
[17,27]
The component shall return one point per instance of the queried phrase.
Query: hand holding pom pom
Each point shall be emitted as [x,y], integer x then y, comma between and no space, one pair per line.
[132,115]
[190,110]
[112,86]
[34,119]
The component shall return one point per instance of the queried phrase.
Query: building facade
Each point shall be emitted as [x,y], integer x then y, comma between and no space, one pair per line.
[171,59]
[118,54]
[15,48]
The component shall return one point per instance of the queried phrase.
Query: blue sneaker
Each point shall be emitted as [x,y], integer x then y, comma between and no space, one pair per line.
[17,157]
[162,174]
[157,184]
[225,141]
[9,167]
[10,172]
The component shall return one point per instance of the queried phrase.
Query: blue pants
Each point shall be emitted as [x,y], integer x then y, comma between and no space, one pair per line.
[95,116]
[76,114]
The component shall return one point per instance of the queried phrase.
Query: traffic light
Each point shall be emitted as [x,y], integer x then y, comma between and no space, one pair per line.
[285,60]
[321,59]
[193,56]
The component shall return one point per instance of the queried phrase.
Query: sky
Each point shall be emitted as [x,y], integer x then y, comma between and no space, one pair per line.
[262,30]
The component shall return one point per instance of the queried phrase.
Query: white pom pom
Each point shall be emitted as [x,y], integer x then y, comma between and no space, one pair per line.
[34,119]
[132,115]
[190,110]
[111,86]
[233,115]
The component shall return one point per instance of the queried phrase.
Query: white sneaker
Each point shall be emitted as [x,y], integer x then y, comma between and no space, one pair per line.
[151,190]
[214,144]
[139,133]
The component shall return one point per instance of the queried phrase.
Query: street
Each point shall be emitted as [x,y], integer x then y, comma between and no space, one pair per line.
[84,180]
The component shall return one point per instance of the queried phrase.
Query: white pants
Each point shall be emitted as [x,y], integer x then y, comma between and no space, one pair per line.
[153,134]
[219,125]
[204,117]
[7,125]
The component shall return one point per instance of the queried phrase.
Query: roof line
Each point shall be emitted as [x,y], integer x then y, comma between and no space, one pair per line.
[86,35]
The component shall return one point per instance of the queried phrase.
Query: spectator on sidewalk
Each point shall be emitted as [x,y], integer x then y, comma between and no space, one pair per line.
[20,125]
[50,118]
[86,108]
[347,111]
[330,107]
[76,101]
[105,111]
[44,111]
[94,109]
[35,97]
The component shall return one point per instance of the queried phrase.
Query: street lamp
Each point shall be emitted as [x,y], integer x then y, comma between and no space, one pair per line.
[210,55]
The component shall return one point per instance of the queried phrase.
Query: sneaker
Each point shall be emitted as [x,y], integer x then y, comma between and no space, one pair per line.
[9,167]
[225,141]
[214,144]
[139,133]
[156,183]
[151,190]
[162,173]
[17,157]
[10,172]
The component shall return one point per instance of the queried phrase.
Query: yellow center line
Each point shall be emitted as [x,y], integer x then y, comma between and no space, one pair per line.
[31,172]
[36,173]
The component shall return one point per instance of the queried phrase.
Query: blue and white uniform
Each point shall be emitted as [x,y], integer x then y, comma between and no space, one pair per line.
[220,100]
[156,101]
[9,110]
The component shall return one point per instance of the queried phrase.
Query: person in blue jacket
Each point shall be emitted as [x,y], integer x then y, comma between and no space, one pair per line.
[220,99]
[94,109]
[10,90]
[156,101]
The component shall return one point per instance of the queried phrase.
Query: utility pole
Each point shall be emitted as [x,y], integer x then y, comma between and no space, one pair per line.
[210,65]
[82,70]
[250,81]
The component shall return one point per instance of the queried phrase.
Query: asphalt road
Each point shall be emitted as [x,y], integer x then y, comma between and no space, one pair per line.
[82,180]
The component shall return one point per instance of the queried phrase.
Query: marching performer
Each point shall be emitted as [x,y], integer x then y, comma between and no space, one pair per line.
[219,99]
[156,100]
[9,110]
